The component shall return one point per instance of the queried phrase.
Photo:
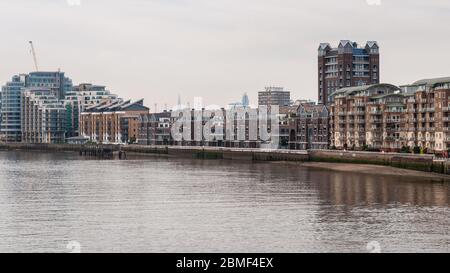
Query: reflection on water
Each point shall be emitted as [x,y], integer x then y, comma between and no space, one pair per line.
[182,205]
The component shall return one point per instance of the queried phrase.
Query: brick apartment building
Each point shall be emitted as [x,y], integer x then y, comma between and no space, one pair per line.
[386,117]
[347,65]
[428,113]
[154,129]
[112,122]
[311,127]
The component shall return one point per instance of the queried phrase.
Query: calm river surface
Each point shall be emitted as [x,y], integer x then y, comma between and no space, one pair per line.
[183,205]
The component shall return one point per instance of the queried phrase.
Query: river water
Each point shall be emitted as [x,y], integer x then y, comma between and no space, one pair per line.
[180,205]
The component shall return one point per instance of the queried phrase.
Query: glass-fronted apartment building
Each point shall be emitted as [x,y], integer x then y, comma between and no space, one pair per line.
[43,117]
[81,97]
[55,82]
[10,130]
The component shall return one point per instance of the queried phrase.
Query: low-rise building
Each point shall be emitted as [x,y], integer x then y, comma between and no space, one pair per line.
[109,122]
[154,129]
[311,127]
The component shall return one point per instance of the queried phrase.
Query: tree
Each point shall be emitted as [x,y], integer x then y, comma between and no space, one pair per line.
[132,140]
[405,150]
[417,150]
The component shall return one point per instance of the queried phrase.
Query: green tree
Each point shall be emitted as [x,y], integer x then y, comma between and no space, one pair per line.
[405,150]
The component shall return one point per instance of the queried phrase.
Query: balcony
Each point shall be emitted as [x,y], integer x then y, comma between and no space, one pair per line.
[393,129]
[394,111]
[393,120]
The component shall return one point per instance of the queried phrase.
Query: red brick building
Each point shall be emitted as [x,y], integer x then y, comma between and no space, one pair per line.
[347,65]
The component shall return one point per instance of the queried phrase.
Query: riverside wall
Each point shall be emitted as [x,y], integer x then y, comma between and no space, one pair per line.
[425,163]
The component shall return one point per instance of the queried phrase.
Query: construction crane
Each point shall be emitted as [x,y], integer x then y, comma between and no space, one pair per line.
[34,55]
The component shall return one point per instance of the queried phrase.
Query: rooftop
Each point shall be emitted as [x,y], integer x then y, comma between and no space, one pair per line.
[432,82]
[351,90]
[118,105]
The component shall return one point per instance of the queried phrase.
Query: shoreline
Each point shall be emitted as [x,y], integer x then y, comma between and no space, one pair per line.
[363,162]
[375,170]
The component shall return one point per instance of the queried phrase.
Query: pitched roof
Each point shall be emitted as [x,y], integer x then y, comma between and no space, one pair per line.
[118,105]
[372,44]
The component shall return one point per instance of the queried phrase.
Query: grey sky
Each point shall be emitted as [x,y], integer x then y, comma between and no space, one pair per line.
[217,49]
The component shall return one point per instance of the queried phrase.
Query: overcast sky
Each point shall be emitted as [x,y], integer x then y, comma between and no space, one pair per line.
[217,49]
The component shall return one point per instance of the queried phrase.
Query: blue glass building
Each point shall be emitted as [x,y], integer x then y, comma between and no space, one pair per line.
[56,82]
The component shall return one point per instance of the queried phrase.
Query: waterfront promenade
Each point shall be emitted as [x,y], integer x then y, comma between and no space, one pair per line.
[425,163]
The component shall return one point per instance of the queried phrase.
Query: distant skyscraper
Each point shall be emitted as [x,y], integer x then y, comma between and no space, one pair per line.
[245,100]
[346,66]
[274,96]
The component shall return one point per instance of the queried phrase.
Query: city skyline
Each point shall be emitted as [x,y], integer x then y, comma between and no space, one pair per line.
[141,56]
